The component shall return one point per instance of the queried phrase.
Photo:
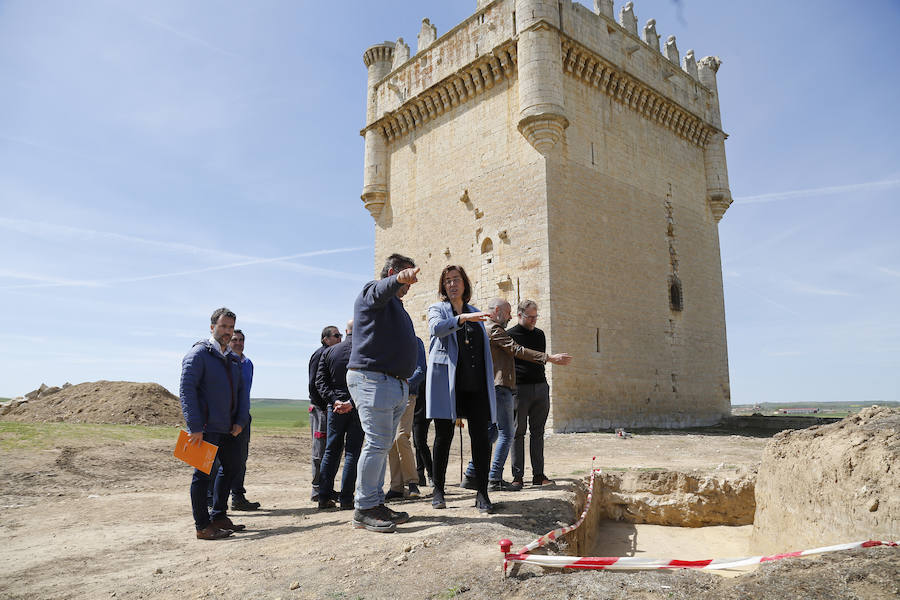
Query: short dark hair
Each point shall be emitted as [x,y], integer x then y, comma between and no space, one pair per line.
[397,262]
[221,312]
[467,286]
[238,331]
[327,332]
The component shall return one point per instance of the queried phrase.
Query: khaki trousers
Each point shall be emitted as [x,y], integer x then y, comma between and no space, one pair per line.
[401,458]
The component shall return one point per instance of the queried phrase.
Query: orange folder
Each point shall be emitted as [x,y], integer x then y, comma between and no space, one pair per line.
[200,456]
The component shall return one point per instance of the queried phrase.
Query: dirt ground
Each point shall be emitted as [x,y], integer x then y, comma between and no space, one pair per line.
[113,520]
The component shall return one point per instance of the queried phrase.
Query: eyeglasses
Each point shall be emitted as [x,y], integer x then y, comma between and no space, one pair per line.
[337,335]
[456,280]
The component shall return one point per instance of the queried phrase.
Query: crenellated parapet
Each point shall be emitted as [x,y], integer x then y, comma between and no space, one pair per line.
[597,72]
[378,53]
[452,91]
[538,43]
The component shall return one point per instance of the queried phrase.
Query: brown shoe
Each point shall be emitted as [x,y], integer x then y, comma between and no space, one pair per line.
[225,523]
[211,532]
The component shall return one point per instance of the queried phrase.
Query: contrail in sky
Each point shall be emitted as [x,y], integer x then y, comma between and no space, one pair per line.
[189,37]
[825,191]
[48,282]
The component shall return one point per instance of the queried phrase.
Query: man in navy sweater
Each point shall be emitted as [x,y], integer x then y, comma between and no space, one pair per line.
[318,418]
[382,359]
[345,432]
[216,407]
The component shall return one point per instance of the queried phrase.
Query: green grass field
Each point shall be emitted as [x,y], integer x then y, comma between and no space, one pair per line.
[49,435]
[274,415]
[269,416]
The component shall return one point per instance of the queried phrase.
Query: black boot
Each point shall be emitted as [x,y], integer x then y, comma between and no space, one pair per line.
[483,503]
[437,500]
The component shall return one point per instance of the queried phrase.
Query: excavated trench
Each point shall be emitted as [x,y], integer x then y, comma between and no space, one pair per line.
[666,514]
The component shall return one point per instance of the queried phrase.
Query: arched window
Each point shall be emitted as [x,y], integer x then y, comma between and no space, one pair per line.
[676,297]
[487,247]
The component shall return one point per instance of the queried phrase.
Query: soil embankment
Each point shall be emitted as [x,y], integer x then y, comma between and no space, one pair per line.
[123,402]
[830,484]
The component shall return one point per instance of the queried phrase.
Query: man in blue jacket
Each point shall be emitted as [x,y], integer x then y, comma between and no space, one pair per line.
[216,407]
[382,360]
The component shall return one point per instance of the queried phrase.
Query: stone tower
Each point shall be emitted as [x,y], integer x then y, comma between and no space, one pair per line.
[560,156]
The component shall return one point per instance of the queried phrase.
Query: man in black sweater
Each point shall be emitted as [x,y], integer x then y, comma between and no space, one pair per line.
[532,397]
[345,432]
[318,418]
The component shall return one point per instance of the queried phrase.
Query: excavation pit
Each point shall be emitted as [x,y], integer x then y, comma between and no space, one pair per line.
[666,514]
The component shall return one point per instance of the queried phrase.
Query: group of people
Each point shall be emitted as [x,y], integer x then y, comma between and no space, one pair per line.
[373,387]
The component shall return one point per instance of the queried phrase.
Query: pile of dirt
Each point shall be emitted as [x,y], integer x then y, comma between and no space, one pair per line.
[125,402]
[830,484]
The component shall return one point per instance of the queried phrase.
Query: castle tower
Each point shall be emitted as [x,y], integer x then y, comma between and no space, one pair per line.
[565,157]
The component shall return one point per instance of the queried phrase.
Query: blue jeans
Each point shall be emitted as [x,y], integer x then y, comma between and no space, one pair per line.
[503,433]
[229,456]
[345,435]
[380,400]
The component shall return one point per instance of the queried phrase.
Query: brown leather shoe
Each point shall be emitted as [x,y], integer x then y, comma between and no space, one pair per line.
[211,532]
[225,523]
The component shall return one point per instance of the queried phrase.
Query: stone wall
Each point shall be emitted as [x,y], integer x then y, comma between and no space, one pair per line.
[466,189]
[612,240]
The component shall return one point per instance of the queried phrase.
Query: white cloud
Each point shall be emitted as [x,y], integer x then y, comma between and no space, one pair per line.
[824,191]
[817,291]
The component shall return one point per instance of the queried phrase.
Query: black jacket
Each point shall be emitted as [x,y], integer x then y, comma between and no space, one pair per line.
[314,398]
[331,376]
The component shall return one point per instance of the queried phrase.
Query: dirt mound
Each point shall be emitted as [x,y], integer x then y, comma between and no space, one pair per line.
[830,484]
[124,402]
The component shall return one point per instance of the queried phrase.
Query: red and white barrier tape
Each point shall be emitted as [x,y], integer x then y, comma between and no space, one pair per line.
[617,563]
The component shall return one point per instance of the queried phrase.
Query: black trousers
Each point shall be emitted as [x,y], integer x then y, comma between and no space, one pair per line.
[477,411]
[420,439]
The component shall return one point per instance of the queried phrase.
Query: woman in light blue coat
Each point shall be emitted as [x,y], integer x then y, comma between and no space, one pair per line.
[460,381]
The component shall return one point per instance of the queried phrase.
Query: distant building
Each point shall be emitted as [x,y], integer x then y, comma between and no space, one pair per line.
[798,411]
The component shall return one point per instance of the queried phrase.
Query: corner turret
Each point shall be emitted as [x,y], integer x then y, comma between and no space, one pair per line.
[542,118]
[718,193]
[378,60]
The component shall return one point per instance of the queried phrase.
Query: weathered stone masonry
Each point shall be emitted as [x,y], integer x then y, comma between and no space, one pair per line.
[558,156]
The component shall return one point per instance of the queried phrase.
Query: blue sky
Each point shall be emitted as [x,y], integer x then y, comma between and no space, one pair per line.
[158,160]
